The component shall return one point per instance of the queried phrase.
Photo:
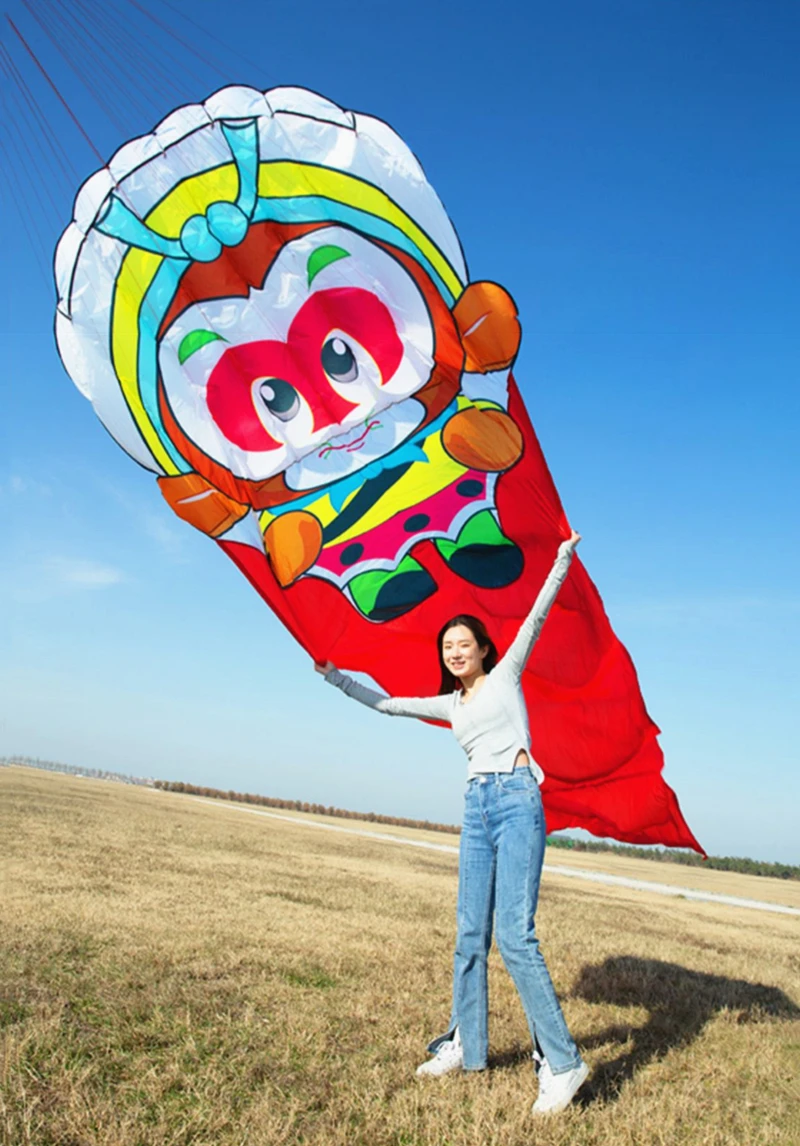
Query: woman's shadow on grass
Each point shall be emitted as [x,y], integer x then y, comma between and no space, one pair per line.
[679,1003]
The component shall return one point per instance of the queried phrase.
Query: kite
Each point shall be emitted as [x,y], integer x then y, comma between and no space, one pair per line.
[269,308]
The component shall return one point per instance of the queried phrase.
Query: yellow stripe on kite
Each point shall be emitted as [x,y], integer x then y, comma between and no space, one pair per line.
[287,180]
[138,270]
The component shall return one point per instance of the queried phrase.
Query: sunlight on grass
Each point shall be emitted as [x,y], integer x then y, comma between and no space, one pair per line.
[175,973]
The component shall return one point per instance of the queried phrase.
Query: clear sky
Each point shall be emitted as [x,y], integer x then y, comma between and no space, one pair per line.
[630,173]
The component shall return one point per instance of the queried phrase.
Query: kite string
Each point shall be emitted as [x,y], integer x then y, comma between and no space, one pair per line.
[33,222]
[61,43]
[41,184]
[234,51]
[72,47]
[57,93]
[175,36]
[40,121]
[147,66]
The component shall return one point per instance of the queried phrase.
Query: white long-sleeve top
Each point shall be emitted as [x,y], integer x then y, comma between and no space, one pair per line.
[492,727]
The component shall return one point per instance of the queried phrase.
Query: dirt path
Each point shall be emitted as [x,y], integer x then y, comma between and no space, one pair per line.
[556,869]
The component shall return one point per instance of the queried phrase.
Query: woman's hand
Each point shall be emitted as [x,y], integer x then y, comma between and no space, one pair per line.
[329,666]
[575,538]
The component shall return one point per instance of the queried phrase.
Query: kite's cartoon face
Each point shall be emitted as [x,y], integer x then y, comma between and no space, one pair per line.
[313,374]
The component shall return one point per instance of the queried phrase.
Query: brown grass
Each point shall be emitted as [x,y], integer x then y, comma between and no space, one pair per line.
[178,972]
[758,887]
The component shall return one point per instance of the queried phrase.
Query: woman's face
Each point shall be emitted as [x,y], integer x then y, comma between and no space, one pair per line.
[462,654]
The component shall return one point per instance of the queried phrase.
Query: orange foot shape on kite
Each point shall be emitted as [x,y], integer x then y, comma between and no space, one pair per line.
[488,440]
[194,500]
[488,326]
[293,543]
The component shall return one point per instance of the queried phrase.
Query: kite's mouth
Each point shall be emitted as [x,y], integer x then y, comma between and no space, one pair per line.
[365,443]
[354,443]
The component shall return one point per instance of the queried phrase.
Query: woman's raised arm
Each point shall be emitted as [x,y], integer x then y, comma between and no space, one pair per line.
[426,707]
[521,647]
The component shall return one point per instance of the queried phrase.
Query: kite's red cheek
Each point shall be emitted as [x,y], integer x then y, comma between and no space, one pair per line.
[266,375]
[362,320]
[322,356]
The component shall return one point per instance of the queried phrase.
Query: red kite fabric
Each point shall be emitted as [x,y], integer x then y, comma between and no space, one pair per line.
[270,309]
[590,730]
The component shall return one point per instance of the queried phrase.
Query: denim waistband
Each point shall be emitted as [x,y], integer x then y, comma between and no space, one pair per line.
[524,768]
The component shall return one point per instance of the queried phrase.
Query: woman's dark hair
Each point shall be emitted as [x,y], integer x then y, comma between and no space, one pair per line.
[451,683]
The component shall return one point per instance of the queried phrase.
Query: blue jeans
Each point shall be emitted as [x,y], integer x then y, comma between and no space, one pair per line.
[500,865]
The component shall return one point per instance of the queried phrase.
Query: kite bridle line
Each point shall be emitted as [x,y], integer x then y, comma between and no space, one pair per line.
[158,455]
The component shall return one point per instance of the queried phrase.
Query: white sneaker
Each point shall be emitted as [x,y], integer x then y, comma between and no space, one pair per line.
[448,1058]
[556,1091]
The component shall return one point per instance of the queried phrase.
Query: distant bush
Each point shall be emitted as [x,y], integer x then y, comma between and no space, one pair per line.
[687,858]
[302,806]
[663,855]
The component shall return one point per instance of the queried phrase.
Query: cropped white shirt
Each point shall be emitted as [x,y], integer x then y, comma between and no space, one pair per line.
[491,727]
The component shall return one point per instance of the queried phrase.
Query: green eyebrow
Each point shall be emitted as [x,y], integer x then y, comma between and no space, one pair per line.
[194,341]
[322,257]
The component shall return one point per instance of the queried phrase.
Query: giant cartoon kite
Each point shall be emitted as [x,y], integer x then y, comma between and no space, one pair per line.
[269,308]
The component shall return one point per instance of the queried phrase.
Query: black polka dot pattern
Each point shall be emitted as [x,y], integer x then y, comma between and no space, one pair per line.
[416,522]
[470,487]
[351,553]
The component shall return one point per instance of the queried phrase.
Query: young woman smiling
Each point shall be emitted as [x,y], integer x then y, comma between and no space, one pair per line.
[502,841]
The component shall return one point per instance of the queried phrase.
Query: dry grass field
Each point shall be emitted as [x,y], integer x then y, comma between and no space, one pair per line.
[178,972]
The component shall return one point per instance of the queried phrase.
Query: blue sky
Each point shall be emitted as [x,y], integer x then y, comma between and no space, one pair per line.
[630,173]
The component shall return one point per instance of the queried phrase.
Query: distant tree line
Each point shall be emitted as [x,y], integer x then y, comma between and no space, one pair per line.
[301,806]
[664,855]
[687,858]
[72,770]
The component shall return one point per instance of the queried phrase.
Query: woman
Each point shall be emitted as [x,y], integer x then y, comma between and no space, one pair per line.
[502,840]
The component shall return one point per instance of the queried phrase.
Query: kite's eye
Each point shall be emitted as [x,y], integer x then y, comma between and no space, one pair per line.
[280,398]
[338,361]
